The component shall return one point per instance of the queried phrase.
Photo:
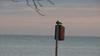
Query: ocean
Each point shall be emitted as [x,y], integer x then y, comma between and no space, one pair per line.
[31,45]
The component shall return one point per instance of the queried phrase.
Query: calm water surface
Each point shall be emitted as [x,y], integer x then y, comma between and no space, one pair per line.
[25,45]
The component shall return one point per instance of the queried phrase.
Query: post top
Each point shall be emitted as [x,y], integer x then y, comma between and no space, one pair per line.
[58,22]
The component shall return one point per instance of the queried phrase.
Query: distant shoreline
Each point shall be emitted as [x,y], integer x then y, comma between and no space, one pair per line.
[41,35]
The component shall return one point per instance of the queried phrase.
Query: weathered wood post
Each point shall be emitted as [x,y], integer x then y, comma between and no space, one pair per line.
[59,35]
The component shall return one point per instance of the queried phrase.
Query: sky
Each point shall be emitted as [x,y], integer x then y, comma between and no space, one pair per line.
[80,18]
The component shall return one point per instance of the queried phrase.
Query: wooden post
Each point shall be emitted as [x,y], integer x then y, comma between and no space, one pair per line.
[59,35]
[56,48]
[56,43]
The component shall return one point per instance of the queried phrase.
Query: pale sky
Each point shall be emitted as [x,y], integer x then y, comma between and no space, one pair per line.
[80,18]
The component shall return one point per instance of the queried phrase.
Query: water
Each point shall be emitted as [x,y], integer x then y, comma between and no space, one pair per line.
[22,45]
